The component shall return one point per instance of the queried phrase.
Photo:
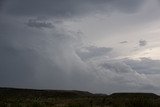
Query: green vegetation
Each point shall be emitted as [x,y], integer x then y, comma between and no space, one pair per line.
[10,97]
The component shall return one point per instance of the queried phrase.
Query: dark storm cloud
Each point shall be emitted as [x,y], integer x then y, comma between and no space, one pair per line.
[127,6]
[142,43]
[93,51]
[34,59]
[67,8]
[15,68]
[1,4]
[18,59]
[39,24]
[50,59]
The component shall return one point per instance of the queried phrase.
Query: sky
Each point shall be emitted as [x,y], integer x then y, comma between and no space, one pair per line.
[100,46]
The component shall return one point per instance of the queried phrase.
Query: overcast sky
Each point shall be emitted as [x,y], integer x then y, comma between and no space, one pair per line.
[101,46]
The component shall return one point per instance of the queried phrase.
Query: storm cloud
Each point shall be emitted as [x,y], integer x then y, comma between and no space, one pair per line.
[69,8]
[40,47]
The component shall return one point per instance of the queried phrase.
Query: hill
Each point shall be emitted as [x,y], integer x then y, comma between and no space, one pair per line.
[26,93]
[134,95]
[14,97]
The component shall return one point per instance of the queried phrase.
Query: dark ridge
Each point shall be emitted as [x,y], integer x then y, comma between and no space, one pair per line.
[28,93]
[134,95]
[16,97]
[34,93]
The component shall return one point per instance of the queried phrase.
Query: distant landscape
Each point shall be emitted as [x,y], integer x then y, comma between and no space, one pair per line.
[15,97]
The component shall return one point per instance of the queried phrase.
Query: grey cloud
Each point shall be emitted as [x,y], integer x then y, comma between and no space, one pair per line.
[37,59]
[125,77]
[39,24]
[127,6]
[133,73]
[1,4]
[123,42]
[142,43]
[118,67]
[93,51]
[69,8]
[34,59]
[144,66]
[16,68]
[120,75]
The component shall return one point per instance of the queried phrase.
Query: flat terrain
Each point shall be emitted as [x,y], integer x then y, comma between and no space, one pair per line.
[12,97]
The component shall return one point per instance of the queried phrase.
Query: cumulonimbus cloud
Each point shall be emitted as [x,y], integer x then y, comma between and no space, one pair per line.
[50,59]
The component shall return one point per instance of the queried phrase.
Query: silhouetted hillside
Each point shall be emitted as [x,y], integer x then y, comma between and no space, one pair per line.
[134,95]
[11,92]
[13,97]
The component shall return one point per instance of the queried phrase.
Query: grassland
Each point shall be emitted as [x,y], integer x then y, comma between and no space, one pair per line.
[11,97]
